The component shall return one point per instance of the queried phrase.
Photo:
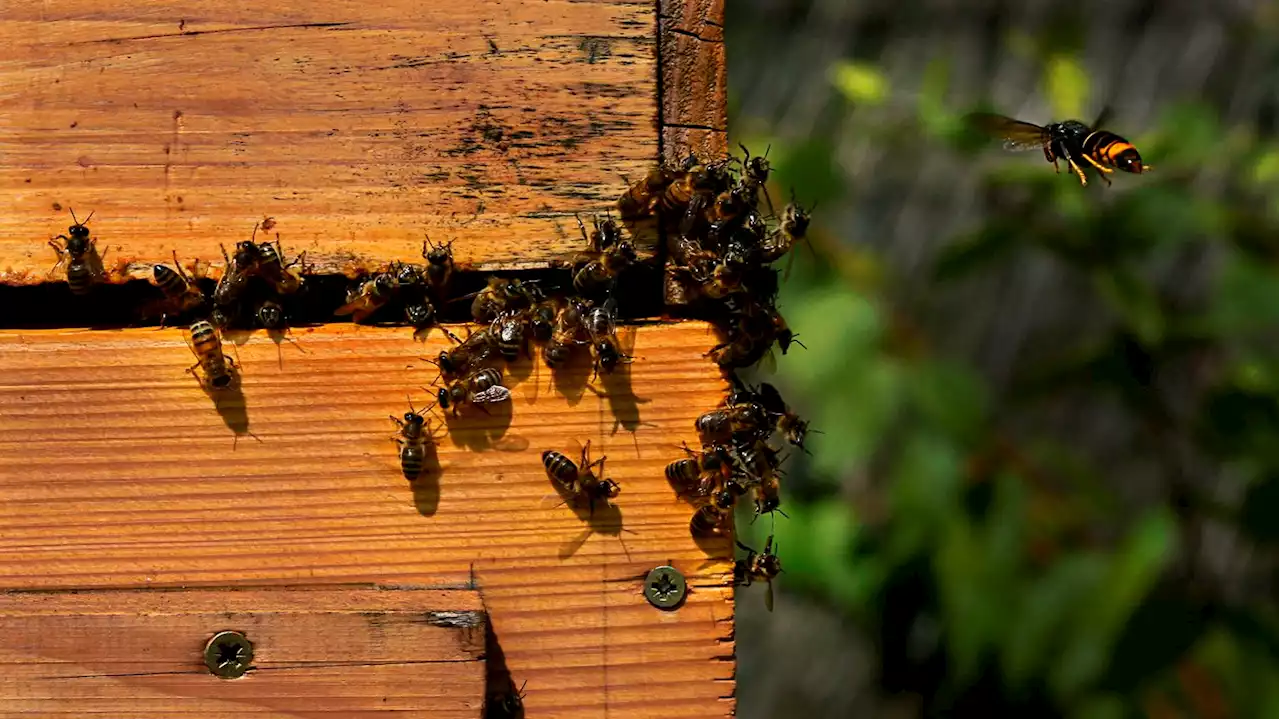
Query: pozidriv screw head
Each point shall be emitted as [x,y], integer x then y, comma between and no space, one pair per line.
[228,654]
[664,587]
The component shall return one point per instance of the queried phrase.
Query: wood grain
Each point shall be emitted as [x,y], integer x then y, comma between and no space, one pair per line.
[694,79]
[339,653]
[116,470]
[694,94]
[358,126]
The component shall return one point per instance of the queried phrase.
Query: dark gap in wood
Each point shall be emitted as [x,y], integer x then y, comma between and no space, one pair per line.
[51,305]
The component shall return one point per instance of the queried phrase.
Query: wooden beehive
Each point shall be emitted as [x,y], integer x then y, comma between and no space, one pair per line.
[358,127]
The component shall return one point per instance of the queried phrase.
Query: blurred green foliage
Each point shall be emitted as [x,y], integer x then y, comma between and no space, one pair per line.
[991,558]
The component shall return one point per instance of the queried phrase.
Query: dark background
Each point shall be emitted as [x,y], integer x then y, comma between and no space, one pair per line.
[1048,480]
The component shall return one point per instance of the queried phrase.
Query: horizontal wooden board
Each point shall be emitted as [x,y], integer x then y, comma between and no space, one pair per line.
[357,126]
[116,470]
[331,653]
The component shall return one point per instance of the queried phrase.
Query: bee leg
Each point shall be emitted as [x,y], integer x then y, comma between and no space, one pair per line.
[231,361]
[61,255]
[1079,172]
[1103,170]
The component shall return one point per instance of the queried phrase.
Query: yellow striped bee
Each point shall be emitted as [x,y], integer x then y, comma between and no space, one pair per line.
[78,252]
[1071,140]
[414,436]
[218,367]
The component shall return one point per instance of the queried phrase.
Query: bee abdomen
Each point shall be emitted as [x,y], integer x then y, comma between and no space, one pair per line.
[79,278]
[560,468]
[412,459]
[1105,146]
[169,282]
[682,474]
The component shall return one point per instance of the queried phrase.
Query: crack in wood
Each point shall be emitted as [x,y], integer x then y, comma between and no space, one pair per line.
[192,33]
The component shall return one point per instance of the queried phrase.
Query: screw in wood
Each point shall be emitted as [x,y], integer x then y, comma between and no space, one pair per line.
[228,654]
[664,587]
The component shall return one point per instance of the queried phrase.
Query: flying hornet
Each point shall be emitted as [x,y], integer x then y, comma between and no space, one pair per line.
[1071,140]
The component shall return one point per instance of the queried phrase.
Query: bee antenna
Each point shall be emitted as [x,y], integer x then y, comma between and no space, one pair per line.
[793,339]
[779,511]
[73,216]
[767,148]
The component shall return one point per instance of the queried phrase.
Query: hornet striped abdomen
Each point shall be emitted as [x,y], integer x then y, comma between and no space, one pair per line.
[1110,150]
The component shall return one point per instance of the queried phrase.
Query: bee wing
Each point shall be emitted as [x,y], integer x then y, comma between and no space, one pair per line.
[1103,117]
[1017,135]
[494,394]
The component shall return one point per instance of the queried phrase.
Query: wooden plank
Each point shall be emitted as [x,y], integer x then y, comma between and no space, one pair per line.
[116,470]
[358,126]
[694,79]
[694,94]
[340,653]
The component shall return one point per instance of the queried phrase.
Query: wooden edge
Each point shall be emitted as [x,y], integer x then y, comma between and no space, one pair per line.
[347,652]
[693,87]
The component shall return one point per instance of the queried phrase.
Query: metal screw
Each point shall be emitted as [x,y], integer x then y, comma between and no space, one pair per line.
[664,587]
[228,654]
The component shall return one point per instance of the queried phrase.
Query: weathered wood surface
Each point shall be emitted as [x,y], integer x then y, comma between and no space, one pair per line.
[694,79]
[333,653]
[116,470]
[358,126]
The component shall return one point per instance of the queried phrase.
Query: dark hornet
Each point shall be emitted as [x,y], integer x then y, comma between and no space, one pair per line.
[1070,140]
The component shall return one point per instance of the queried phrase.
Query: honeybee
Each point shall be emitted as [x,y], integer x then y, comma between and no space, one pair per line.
[180,291]
[500,295]
[722,280]
[755,173]
[508,330]
[505,704]
[80,254]
[271,267]
[206,345]
[715,512]
[1071,140]
[720,425]
[607,255]
[479,388]
[236,271]
[369,296]
[468,353]
[759,567]
[761,464]
[640,199]
[580,480]
[792,229]
[439,267]
[413,437]
[564,335]
[271,315]
[700,474]
[601,325]
[542,318]
[697,178]
[793,428]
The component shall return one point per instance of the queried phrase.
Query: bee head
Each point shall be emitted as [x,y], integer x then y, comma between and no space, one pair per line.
[443,398]
[414,419]
[271,315]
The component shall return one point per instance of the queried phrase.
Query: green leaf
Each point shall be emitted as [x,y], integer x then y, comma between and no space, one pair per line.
[859,82]
[1154,639]
[1067,85]
[1134,569]
[1039,623]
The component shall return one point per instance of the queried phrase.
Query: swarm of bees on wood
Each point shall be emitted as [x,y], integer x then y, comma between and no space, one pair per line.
[721,246]
[722,243]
